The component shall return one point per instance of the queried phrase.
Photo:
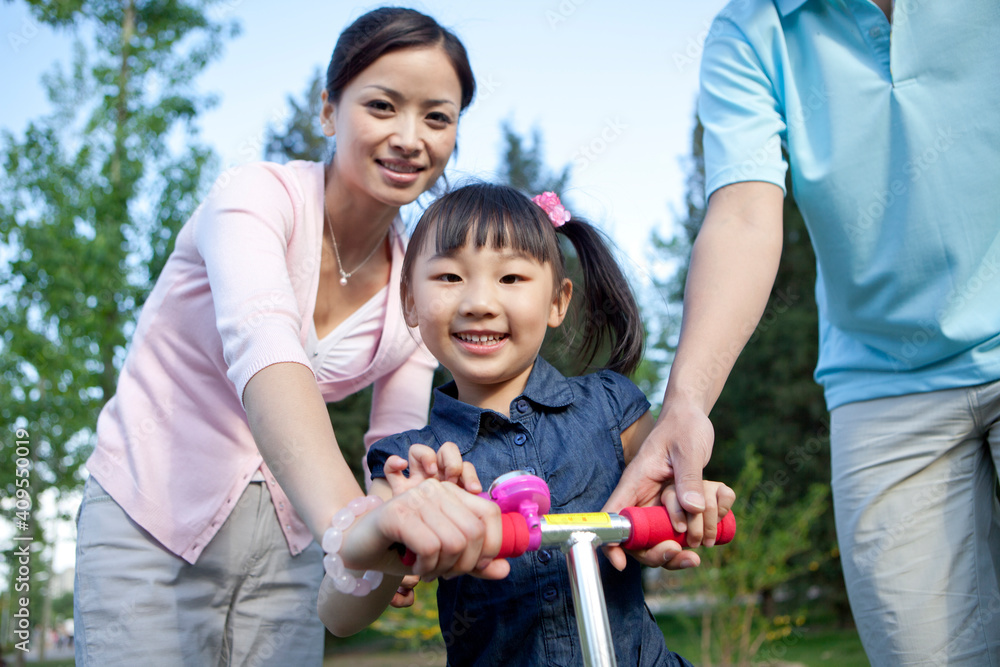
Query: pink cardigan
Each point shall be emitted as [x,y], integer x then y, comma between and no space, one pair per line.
[237,294]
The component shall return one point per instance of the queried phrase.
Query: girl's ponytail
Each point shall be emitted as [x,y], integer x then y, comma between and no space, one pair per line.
[609,312]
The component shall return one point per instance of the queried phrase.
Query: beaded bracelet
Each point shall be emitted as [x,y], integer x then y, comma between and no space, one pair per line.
[333,539]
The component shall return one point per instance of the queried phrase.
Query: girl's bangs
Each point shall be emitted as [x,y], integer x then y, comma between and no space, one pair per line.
[492,216]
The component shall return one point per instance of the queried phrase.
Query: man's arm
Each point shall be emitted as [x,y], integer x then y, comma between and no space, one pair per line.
[733,265]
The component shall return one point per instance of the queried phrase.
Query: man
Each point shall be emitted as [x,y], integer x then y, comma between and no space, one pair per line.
[889,115]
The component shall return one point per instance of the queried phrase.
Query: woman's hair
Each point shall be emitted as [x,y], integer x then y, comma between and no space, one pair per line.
[388,29]
[501,217]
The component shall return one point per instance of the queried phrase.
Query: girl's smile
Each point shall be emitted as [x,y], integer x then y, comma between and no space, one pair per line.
[480,342]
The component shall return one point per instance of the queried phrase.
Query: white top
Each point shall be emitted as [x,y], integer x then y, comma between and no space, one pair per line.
[350,347]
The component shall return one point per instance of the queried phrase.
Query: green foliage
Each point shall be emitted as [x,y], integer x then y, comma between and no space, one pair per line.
[91,198]
[772,531]
[524,168]
[416,627]
[301,138]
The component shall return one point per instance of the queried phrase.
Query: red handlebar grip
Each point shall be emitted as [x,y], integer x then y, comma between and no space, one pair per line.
[515,538]
[515,535]
[651,525]
[408,558]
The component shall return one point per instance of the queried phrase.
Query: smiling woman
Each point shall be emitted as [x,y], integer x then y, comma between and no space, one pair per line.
[396,124]
[216,464]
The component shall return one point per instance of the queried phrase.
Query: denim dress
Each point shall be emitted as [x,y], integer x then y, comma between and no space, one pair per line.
[568,432]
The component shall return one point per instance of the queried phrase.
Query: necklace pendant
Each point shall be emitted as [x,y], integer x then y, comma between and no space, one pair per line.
[343,281]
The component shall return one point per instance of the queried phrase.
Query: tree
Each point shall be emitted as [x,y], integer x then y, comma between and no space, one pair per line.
[91,198]
[301,138]
[770,399]
[524,168]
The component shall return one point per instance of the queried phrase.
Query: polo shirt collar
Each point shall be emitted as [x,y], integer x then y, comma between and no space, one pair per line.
[460,422]
[786,7]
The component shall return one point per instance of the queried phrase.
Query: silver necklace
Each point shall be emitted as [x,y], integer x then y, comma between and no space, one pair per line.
[344,275]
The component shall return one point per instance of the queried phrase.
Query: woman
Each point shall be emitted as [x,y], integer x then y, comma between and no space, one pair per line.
[216,464]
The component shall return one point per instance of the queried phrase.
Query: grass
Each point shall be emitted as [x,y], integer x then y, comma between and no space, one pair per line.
[828,647]
[810,646]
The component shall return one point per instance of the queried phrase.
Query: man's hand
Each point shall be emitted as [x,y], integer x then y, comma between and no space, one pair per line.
[676,451]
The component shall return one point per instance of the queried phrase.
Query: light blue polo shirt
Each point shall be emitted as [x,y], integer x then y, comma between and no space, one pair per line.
[893,135]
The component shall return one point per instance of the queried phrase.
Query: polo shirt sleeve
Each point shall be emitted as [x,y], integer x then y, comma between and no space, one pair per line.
[739,108]
[242,234]
[626,401]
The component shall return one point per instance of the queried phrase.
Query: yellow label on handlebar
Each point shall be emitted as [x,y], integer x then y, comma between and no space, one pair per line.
[594,519]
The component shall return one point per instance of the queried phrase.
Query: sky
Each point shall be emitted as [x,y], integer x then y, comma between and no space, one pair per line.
[610,85]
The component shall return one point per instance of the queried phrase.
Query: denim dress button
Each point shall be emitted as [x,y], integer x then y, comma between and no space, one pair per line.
[520,439]
[522,405]
[529,470]
[550,594]
[544,556]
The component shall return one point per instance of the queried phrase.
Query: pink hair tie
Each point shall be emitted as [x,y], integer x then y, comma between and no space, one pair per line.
[549,201]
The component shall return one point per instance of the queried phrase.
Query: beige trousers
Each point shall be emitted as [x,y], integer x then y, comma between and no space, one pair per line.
[247,601]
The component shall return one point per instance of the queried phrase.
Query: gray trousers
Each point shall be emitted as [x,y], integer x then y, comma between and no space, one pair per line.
[914,488]
[247,600]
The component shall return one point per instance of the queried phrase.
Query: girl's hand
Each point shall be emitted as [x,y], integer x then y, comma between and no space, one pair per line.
[404,595]
[701,528]
[450,530]
[445,465]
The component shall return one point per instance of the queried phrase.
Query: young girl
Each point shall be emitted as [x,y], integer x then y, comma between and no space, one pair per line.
[482,279]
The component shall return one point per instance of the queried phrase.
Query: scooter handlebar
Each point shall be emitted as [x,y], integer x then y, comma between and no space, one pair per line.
[515,538]
[651,525]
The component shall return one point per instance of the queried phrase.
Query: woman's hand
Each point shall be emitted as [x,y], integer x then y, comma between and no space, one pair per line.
[451,532]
